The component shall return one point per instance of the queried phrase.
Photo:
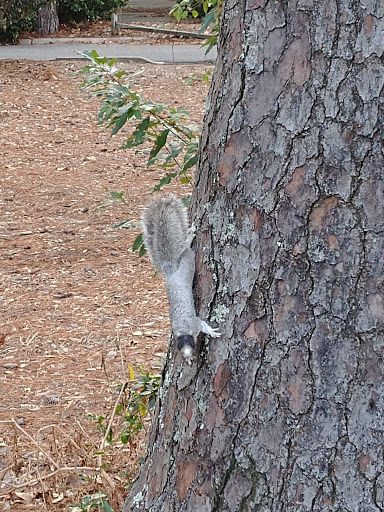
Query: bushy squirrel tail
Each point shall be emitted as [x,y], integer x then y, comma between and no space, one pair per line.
[166,226]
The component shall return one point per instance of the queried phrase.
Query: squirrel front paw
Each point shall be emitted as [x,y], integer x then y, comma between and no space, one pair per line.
[214,333]
[206,329]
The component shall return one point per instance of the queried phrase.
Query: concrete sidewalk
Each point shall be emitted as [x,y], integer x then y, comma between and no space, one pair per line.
[164,54]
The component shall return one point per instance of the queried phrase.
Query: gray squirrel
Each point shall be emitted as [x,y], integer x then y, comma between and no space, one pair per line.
[168,237]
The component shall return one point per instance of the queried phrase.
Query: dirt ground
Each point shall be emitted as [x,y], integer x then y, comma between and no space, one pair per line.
[102,29]
[76,305]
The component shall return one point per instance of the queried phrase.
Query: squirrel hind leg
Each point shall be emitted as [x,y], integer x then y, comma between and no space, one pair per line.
[190,235]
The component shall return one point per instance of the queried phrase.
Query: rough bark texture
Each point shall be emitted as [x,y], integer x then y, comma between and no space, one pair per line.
[286,411]
[48,20]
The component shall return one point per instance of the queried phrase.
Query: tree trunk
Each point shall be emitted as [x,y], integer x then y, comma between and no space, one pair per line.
[286,411]
[47,19]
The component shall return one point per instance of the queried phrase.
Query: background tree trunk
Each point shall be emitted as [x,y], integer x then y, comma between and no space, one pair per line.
[48,20]
[285,412]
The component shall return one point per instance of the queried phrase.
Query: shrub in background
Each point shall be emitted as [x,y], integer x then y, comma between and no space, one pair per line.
[16,16]
[87,10]
[19,15]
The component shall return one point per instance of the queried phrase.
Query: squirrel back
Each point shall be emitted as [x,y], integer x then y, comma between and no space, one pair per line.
[165,226]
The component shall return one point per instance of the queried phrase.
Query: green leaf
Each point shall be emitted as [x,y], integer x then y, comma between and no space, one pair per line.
[159,143]
[107,507]
[137,113]
[177,12]
[138,242]
[164,181]
[120,123]
[189,163]
[176,149]
[124,438]
[142,251]
[87,500]
[118,196]
[126,224]
[210,43]
[105,113]
[139,136]
[209,19]
[142,409]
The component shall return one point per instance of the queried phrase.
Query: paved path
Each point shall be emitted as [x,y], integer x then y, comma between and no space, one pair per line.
[167,54]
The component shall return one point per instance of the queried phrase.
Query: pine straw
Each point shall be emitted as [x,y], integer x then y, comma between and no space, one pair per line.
[76,306]
[61,463]
[37,480]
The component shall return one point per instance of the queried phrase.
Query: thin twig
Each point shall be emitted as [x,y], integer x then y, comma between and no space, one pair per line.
[123,368]
[35,443]
[69,469]
[84,432]
[42,486]
[102,444]
[85,454]
[54,442]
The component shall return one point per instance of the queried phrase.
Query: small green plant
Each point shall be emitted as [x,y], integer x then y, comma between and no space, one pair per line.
[112,198]
[204,77]
[136,399]
[142,400]
[97,501]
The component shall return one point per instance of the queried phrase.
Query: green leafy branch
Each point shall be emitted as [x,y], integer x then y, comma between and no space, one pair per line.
[172,143]
[168,141]
[209,10]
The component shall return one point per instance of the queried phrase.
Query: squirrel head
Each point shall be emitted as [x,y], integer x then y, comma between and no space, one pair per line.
[186,345]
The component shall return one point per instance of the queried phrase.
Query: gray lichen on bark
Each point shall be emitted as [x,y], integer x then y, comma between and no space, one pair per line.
[285,412]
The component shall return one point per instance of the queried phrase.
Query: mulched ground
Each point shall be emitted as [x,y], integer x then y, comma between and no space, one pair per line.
[102,29]
[76,305]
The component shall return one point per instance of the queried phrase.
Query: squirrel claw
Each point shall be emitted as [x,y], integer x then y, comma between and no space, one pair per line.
[214,333]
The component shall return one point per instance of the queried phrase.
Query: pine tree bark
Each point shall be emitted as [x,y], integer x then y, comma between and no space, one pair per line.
[47,19]
[286,411]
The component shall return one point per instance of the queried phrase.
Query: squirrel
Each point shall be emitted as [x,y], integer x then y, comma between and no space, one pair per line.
[168,237]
